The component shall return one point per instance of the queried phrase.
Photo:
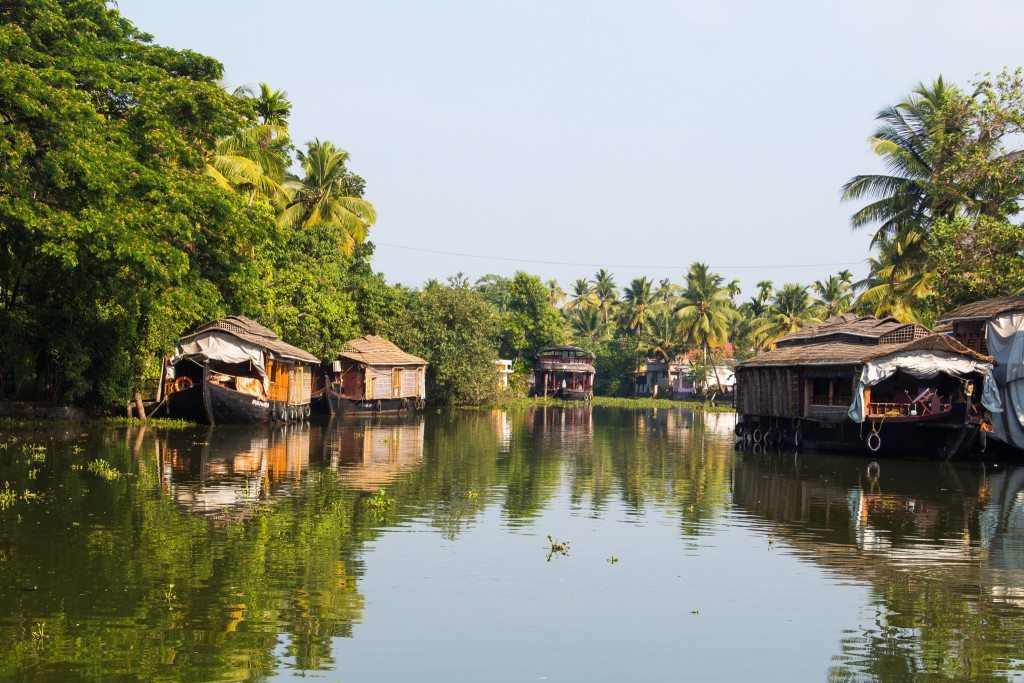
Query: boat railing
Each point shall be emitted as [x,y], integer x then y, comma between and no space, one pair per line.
[918,409]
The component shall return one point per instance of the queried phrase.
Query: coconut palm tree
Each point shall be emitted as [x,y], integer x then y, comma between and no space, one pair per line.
[272,106]
[764,290]
[792,308]
[895,286]
[915,140]
[327,193]
[705,312]
[638,304]
[254,160]
[733,288]
[251,162]
[582,296]
[586,323]
[556,292]
[835,295]
[606,291]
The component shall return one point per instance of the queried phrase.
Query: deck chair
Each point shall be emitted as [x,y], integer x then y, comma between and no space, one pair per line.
[928,402]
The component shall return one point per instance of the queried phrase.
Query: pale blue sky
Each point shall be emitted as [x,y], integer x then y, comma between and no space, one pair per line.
[596,132]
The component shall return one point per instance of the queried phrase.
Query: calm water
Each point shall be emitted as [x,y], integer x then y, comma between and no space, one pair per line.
[257,553]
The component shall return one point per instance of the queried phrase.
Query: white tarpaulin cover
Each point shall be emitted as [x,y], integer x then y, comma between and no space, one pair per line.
[1005,337]
[924,365]
[220,347]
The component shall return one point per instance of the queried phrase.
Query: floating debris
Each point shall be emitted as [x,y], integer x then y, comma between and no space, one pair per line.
[612,559]
[557,548]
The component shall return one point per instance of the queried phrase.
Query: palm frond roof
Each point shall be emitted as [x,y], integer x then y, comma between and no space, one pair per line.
[249,330]
[374,350]
[825,352]
[855,329]
[984,309]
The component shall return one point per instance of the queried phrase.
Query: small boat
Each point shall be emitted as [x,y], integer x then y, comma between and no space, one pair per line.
[867,384]
[371,375]
[564,372]
[235,370]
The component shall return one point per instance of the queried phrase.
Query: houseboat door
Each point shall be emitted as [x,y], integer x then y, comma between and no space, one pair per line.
[396,382]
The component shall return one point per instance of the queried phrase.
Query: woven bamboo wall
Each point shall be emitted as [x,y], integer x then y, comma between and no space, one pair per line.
[379,382]
[772,392]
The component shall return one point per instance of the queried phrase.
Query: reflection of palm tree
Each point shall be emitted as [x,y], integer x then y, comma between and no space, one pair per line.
[328,194]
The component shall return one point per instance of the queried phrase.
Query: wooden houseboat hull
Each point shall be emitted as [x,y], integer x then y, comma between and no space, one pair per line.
[210,403]
[185,405]
[939,439]
[337,404]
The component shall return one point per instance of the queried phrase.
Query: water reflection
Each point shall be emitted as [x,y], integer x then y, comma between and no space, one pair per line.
[242,553]
[371,452]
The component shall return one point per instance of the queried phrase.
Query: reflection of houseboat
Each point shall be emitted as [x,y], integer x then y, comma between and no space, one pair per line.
[236,370]
[872,381]
[372,375]
[996,327]
[234,469]
[371,453]
[564,372]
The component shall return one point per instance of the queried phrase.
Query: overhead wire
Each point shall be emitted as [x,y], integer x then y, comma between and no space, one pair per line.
[607,265]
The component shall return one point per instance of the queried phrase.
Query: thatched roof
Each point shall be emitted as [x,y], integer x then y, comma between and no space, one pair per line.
[852,353]
[251,331]
[984,309]
[853,327]
[374,350]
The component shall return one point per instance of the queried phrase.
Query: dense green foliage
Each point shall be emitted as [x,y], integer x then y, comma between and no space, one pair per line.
[139,198]
[455,330]
[954,190]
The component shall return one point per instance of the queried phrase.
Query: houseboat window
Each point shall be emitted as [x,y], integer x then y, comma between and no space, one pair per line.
[396,382]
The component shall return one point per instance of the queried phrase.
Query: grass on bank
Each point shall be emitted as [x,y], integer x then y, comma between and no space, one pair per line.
[609,402]
[41,422]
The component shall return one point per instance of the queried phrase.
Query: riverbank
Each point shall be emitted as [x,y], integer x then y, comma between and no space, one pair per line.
[37,422]
[606,402]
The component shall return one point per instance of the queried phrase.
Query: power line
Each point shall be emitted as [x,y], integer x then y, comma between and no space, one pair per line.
[607,265]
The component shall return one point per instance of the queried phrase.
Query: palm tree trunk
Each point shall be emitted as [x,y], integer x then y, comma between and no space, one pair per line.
[714,368]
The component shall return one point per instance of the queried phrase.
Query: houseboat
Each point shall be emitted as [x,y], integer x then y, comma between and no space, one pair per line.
[372,375]
[564,372]
[235,370]
[995,327]
[867,383]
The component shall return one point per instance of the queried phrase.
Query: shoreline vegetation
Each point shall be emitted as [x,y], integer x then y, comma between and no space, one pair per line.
[144,198]
[638,403]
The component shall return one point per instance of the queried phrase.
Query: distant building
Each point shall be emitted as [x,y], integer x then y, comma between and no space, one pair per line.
[505,371]
[564,372]
[657,378]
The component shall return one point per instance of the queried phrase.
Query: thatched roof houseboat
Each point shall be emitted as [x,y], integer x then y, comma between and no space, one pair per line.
[564,372]
[236,370]
[996,327]
[373,375]
[869,382]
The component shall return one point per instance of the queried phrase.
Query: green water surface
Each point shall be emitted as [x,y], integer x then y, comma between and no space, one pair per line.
[252,553]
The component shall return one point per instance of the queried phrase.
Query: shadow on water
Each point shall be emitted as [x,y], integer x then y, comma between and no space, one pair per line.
[239,553]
